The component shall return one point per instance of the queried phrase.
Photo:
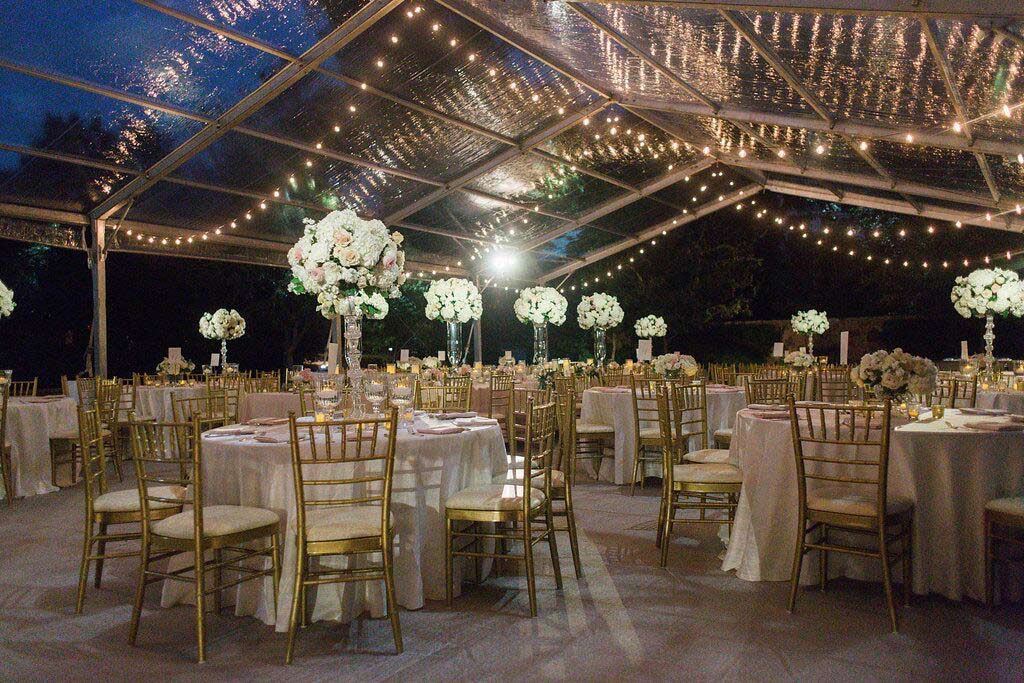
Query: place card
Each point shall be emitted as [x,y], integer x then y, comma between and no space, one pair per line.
[332,359]
[508,355]
[844,347]
[803,349]
[644,350]
[964,355]
[403,356]
[778,350]
[214,360]
[174,353]
[440,356]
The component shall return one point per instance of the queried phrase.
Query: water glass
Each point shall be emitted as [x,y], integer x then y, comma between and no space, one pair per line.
[374,389]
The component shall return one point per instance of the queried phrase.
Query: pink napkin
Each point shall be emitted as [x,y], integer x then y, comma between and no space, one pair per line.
[273,438]
[267,421]
[441,430]
[233,430]
[612,390]
[768,407]
[452,416]
[476,422]
[988,412]
[995,426]
[40,399]
[723,386]
[769,415]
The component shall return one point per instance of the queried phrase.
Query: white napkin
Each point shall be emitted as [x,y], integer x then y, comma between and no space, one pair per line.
[476,422]
[441,429]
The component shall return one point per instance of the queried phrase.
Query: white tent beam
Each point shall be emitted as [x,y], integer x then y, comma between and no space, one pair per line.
[98,268]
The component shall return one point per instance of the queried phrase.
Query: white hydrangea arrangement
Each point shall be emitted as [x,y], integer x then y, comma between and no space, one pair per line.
[344,256]
[540,305]
[175,367]
[896,374]
[810,322]
[431,362]
[673,365]
[986,292]
[599,310]
[222,324]
[6,300]
[650,326]
[799,359]
[454,300]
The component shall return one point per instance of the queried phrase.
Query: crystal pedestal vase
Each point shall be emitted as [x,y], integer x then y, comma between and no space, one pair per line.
[454,346]
[600,347]
[990,338]
[540,343]
[810,344]
[223,354]
[353,334]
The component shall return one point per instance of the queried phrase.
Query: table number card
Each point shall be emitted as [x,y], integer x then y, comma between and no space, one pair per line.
[332,359]
[403,356]
[844,347]
[803,349]
[778,350]
[214,360]
[644,350]
[440,356]
[964,355]
[508,355]
[174,353]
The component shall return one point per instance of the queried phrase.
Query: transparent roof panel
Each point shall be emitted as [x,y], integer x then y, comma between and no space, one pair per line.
[1009,176]
[53,184]
[467,213]
[570,39]
[621,145]
[635,217]
[428,248]
[874,68]
[704,49]
[125,46]
[943,168]
[581,242]
[50,116]
[324,110]
[816,149]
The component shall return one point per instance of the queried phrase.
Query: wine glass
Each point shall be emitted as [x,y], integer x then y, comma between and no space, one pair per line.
[375,389]
[402,388]
[326,396]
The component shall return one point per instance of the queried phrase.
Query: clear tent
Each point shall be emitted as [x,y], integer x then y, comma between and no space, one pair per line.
[565,132]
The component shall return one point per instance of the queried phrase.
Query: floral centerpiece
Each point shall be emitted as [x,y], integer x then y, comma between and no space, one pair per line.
[810,322]
[674,365]
[799,359]
[985,293]
[599,312]
[175,367]
[6,300]
[540,306]
[302,377]
[895,375]
[650,326]
[431,362]
[222,325]
[455,301]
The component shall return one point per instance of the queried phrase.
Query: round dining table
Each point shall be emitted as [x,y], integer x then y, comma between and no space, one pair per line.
[949,468]
[31,422]
[1011,401]
[614,406]
[268,404]
[154,401]
[241,470]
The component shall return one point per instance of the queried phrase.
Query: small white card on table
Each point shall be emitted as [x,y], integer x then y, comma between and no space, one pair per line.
[403,356]
[332,359]
[778,350]
[174,353]
[214,360]
[844,347]
[964,355]
[440,356]
[644,350]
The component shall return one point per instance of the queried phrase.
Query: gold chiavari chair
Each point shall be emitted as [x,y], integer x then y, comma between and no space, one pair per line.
[104,509]
[648,442]
[702,486]
[307,403]
[458,392]
[429,397]
[208,409]
[343,485]
[499,406]
[770,372]
[521,398]
[572,449]
[263,383]
[955,392]
[171,454]
[524,505]
[773,391]
[108,403]
[842,465]
[833,385]
[24,387]
[644,371]
[65,446]
[1004,533]
[586,440]
[717,373]
[613,379]
[5,445]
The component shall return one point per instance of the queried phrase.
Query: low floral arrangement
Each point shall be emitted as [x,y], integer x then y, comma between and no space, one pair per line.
[431,362]
[344,256]
[599,310]
[222,324]
[303,376]
[6,300]
[674,365]
[799,359]
[455,300]
[540,305]
[545,377]
[650,326]
[988,292]
[175,367]
[895,374]
[613,365]
[585,370]
[810,322]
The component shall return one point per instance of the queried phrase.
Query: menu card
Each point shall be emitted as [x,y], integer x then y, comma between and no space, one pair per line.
[214,360]
[778,350]
[644,350]
[403,356]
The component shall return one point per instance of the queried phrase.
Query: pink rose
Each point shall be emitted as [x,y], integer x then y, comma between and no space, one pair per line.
[342,238]
[317,273]
[296,253]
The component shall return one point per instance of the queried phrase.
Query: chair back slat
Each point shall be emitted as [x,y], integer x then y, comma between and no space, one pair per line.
[645,399]
[22,388]
[773,391]
[538,447]
[457,392]
[168,454]
[499,404]
[834,385]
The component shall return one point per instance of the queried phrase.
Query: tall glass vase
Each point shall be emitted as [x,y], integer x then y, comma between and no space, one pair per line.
[454,347]
[810,344]
[600,347]
[540,343]
[223,354]
[990,338]
[353,334]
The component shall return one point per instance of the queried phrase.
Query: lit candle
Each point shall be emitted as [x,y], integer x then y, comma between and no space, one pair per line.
[478,365]
[629,364]
[415,368]
[391,368]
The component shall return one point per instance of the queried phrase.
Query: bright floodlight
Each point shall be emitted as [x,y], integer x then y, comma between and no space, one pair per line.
[503,261]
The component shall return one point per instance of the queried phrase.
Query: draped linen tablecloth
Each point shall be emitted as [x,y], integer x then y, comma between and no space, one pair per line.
[428,469]
[480,399]
[270,404]
[1012,401]
[31,423]
[615,408]
[948,473]
[155,401]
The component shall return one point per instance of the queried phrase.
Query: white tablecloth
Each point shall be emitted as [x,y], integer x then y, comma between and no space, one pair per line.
[155,401]
[949,474]
[30,424]
[428,469]
[1012,401]
[271,404]
[616,409]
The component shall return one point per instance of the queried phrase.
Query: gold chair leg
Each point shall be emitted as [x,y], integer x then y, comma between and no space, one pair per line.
[823,561]
[275,566]
[531,578]
[389,589]
[293,616]
[83,570]
[574,543]
[140,593]
[218,599]
[887,580]
[448,588]
[636,471]
[553,544]
[666,534]
[200,572]
[8,478]
[798,556]
[303,596]
[101,550]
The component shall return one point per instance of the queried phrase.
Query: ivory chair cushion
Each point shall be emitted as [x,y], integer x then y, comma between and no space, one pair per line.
[650,432]
[341,523]
[590,428]
[128,499]
[218,520]
[708,455]
[493,497]
[516,476]
[1007,506]
[723,434]
[849,501]
[708,473]
[73,435]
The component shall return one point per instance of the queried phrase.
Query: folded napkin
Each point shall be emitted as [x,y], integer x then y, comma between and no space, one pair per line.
[267,421]
[768,407]
[40,399]
[722,386]
[995,426]
[989,412]
[612,390]
[476,422]
[452,416]
[441,429]
[272,437]
[230,430]
[769,414]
